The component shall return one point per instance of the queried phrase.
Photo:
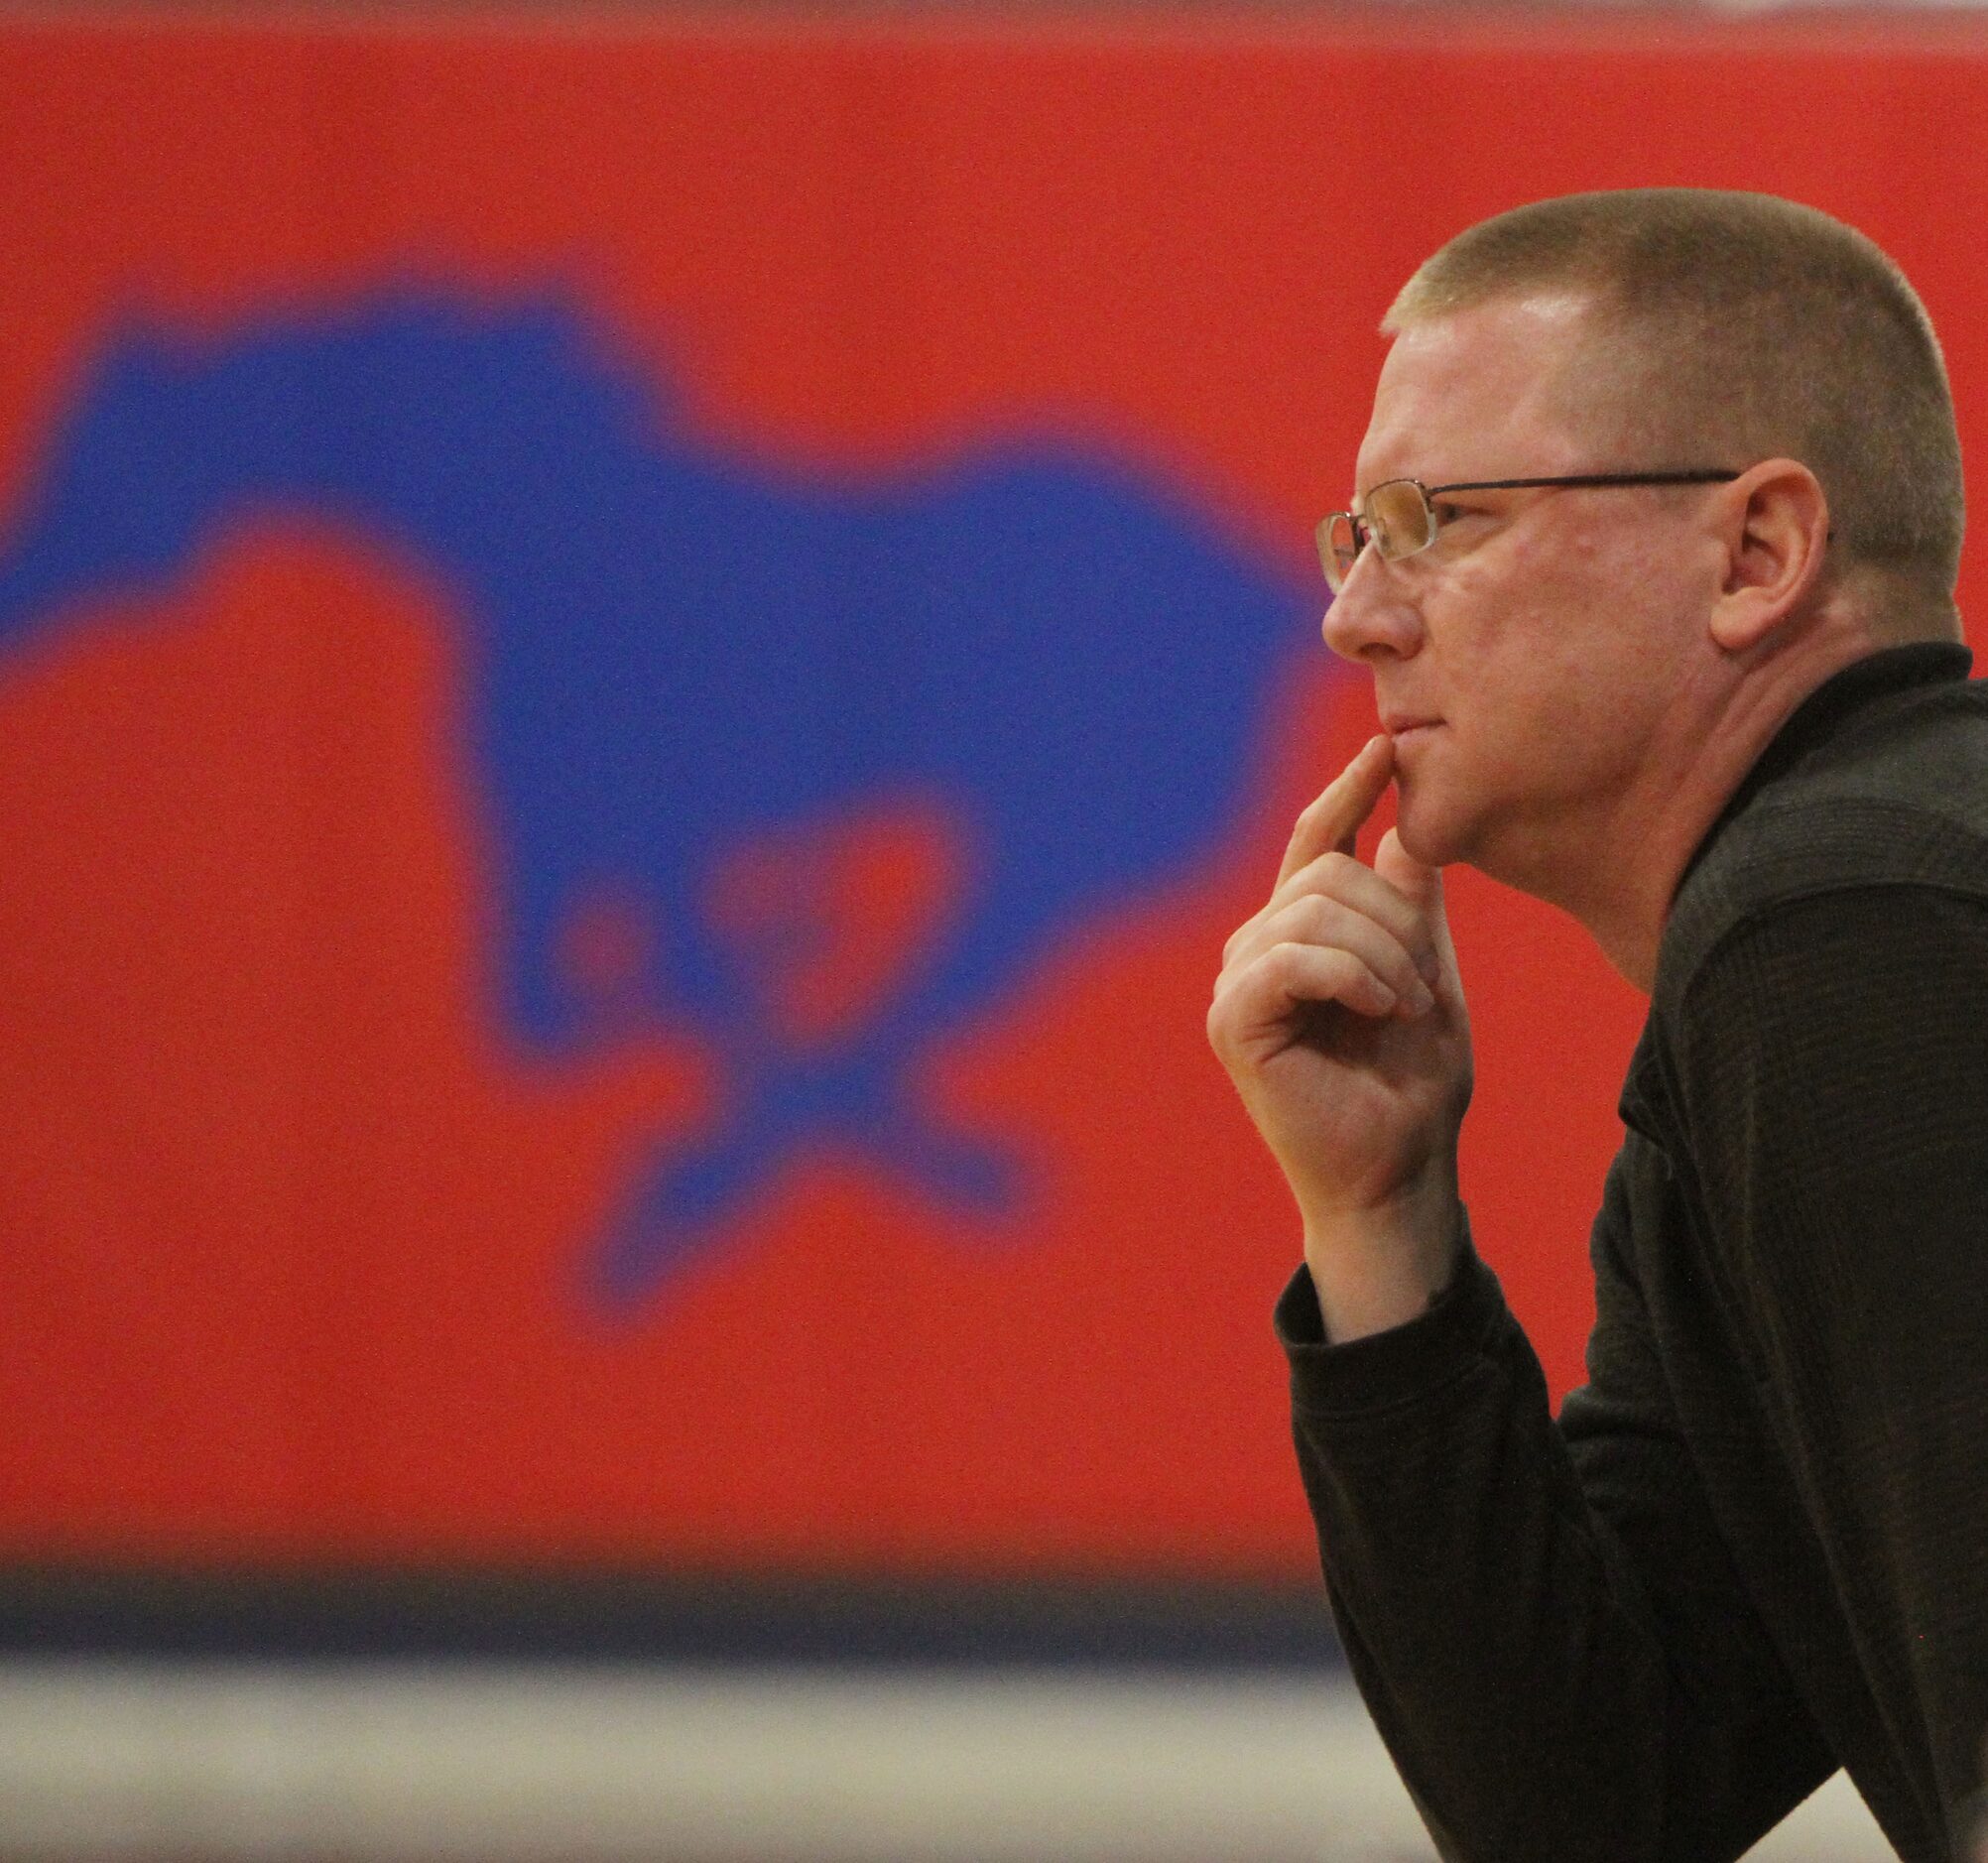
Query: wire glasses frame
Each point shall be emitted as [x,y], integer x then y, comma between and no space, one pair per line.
[1399,519]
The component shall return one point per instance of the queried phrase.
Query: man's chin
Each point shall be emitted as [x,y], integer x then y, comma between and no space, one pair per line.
[1426,835]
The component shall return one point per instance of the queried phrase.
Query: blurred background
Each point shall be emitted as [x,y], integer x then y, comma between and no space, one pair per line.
[643,657]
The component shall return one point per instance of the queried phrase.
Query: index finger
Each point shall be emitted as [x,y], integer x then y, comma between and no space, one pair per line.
[1335,818]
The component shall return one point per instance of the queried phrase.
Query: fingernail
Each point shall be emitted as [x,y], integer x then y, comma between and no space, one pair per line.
[1421,1000]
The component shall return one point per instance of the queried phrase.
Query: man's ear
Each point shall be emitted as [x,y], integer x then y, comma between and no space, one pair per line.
[1774,522]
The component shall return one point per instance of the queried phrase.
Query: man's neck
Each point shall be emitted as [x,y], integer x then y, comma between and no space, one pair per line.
[1620,876]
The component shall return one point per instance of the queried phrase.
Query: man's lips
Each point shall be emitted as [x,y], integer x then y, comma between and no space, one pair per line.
[1400,725]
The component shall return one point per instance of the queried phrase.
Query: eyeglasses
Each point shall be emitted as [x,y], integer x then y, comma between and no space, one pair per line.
[1400,520]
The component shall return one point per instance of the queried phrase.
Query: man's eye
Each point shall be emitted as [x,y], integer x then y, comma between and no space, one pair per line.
[1449,513]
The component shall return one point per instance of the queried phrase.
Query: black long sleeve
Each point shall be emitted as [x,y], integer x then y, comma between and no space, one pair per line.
[1755,1542]
[1543,1621]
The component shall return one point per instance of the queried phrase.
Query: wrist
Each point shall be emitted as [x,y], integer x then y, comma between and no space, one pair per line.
[1380,1267]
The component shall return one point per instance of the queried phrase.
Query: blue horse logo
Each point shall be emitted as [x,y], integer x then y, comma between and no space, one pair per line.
[676,653]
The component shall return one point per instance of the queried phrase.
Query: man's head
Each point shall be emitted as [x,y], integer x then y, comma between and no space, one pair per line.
[1737,327]
[1582,653]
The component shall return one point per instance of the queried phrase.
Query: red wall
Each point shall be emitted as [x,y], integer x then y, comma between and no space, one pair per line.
[290,1238]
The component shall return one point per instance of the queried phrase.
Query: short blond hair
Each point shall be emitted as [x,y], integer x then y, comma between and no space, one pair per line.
[1735,327]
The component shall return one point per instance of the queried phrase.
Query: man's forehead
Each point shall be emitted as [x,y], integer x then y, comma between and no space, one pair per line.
[1458,394]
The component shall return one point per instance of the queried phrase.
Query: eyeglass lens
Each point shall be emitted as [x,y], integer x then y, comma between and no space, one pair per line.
[1397,517]
[1338,546]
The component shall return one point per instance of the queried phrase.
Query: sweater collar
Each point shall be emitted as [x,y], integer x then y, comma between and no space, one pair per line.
[1819,718]
[1831,705]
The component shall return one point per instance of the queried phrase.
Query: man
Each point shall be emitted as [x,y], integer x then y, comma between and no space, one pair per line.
[1717,707]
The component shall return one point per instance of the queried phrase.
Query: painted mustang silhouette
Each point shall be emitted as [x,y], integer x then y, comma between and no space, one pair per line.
[985,699]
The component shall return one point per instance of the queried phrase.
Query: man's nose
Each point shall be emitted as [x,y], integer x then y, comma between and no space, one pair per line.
[1371,618]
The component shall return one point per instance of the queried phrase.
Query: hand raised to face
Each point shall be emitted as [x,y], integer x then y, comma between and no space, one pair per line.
[1340,1016]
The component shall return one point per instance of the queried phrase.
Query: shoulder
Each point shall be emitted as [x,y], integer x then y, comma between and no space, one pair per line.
[1825,901]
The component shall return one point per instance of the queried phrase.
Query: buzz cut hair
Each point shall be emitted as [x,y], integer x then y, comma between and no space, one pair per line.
[1724,329]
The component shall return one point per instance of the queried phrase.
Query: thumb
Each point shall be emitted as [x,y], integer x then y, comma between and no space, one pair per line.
[1419,884]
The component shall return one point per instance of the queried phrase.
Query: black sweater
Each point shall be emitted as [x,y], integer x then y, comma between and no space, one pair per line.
[1755,1543]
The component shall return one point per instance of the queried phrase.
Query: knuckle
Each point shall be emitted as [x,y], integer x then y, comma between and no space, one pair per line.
[1227,1015]
[1303,918]
[1321,917]
[1239,938]
[1304,969]
[1283,962]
